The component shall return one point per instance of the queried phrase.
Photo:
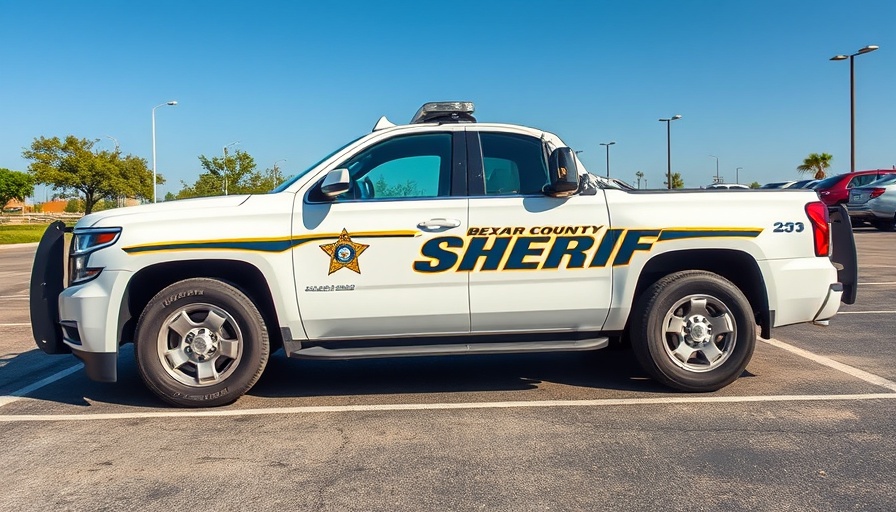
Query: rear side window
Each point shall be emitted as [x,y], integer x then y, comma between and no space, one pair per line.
[859,181]
[513,164]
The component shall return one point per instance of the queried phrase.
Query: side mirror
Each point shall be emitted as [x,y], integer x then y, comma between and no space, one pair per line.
[563,173]
[336,182]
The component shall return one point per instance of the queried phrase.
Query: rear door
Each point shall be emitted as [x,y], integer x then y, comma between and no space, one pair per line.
[535,262]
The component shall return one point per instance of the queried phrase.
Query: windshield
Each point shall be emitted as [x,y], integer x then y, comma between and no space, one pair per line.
[887,180]
[828,182]
[283,186]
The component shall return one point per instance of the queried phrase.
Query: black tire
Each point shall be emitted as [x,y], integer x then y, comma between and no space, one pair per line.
[201,343]
[885,225]
[675,304]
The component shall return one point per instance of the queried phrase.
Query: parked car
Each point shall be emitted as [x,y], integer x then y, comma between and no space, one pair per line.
[803,184]
[716,186]
[777,184]
[875,203]
[835,189]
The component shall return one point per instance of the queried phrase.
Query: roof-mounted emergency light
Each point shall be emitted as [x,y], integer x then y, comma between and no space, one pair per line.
[445,112]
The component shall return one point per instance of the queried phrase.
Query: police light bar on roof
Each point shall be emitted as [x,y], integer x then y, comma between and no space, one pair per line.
[445,112]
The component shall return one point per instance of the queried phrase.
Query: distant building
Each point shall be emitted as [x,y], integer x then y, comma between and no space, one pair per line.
[55,206]
[15,206]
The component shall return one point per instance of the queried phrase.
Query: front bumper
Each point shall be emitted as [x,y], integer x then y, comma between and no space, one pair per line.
[82,319]
[90,316]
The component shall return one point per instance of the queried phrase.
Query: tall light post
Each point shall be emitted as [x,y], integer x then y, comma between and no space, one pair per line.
[717,167]
[669,147]
[275,170]
[171,103]
[737,175]
[608,144]
[852,101]
[225,164]
[119,201]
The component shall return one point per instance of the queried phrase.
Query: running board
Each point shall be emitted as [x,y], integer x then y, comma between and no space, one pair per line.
[318,352]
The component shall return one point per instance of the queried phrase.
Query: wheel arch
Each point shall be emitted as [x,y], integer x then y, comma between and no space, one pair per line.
[737,266]
[149,281]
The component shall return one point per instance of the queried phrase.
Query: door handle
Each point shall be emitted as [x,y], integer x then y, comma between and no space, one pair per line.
[439,224]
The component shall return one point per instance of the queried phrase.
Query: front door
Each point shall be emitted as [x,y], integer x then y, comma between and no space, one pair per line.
[354,265]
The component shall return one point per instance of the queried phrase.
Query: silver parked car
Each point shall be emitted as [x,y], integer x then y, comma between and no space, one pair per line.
[875,203]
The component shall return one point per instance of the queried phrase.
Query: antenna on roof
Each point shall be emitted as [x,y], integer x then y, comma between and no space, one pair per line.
[382,124]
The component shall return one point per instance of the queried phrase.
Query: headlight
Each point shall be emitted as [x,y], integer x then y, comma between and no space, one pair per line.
[85,242]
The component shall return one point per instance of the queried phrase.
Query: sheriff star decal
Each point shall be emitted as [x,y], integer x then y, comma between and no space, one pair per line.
[344,253]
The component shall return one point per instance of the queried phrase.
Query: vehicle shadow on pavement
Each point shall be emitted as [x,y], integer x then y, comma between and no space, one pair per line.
[77,389]
[614,370]
[611,369]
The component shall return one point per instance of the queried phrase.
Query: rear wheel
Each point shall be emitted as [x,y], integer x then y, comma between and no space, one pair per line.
[693,331]
[886,225]
[201,343]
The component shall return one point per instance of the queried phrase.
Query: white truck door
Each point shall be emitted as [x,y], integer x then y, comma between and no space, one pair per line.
[355,273]
[535,262]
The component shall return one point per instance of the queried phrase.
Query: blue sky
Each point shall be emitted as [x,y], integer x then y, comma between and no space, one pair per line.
[294,80]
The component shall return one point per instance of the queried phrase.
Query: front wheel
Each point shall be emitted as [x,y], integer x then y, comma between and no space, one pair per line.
[693,331]
[201,343]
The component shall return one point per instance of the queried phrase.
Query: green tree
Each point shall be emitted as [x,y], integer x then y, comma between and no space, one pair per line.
[407,189]
[14,185]
[677,182]
[170,196]
[817,164]
[206,185]
[74,206]
[241,175]
[755,184]
[74,164]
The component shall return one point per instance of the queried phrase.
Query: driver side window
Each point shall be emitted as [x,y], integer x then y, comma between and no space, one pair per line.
[413,166]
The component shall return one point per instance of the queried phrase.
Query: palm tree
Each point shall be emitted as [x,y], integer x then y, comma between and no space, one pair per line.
[639,175]
[816,163]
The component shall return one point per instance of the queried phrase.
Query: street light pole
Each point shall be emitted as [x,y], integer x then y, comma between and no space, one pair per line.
[737,175]
[717,167]
[669,148]
[225,164]
[275,170]
[171,103]
[608,144]
[852,101]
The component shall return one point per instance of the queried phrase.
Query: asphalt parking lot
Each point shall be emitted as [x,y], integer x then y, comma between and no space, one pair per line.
[810,426]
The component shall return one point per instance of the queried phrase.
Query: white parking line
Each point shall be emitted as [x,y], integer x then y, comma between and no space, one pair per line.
[826,361]
[671,400]
[877,284]
[20,393]
[13,297]
[16,325]
[866,312]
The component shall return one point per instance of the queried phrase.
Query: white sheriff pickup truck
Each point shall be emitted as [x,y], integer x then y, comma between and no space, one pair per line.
[440,237]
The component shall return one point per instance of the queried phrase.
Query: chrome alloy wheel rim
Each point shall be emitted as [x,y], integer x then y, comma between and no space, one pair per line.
[200,345]
[699,333]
